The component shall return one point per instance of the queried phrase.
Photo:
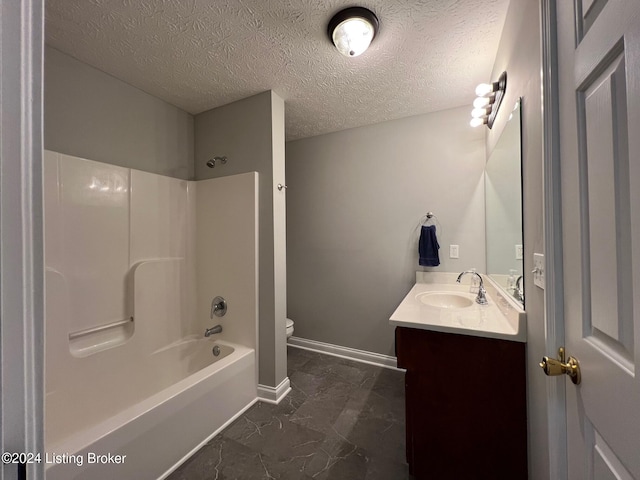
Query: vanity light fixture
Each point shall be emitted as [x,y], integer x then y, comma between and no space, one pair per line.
[488,102]
[481,102]
[351,30]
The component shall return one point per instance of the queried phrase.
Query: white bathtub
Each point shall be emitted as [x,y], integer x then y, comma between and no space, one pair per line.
[176,401]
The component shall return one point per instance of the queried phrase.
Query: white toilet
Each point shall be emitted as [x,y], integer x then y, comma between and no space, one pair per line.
[289,327]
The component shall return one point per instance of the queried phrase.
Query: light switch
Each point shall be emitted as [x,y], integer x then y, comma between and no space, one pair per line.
[454,251]
[538,270]
[519,252]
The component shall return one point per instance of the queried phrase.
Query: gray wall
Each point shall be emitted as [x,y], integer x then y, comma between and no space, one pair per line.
[354,201]
[519,54]
[250,133]
[90,114]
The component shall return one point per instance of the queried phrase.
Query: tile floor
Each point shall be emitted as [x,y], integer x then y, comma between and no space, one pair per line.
[343,420]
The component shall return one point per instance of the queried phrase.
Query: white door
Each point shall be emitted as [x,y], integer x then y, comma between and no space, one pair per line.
[599,83]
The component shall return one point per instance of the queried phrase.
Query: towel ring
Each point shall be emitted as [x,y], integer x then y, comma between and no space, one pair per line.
[431,217]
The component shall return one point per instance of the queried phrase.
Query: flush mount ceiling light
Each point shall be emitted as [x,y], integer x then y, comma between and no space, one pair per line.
[488,102]
[351,30]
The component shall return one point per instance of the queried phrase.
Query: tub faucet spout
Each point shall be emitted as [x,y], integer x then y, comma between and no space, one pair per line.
[213,330]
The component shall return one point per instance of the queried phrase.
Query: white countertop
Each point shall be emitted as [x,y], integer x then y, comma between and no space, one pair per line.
[490,321]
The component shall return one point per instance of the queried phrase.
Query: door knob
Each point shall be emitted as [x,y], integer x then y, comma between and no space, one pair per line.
[571,367]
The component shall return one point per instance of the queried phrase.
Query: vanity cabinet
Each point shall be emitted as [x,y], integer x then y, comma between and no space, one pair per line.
[465,405]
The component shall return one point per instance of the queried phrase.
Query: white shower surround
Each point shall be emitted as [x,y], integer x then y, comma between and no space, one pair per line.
[151,388]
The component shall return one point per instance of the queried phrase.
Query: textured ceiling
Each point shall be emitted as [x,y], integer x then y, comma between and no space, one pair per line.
[201,54]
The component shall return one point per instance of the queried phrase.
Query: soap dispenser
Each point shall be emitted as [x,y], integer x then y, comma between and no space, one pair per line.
[475,282]
[511,281]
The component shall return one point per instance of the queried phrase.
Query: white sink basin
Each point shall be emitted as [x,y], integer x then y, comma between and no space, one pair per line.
[445,299]
[446,306]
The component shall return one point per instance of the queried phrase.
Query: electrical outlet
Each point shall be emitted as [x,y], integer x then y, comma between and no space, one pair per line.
[538,270]
[519,252]
[454,251]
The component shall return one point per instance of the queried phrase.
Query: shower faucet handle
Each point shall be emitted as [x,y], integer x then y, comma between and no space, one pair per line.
[218,307]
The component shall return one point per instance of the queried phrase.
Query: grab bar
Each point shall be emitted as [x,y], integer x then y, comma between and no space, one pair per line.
[100,328]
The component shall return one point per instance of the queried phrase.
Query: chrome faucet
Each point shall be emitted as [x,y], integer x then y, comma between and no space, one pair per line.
[481,299]
[518,293]
[213,330]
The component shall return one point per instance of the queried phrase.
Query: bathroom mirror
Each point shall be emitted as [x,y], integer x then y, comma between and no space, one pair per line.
[503,203]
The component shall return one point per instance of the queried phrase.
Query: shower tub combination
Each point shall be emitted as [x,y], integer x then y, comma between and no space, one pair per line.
[132,385]
[156,424]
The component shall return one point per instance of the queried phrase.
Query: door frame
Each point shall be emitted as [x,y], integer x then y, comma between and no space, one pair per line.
[21,233]
[21,27]
[552,210]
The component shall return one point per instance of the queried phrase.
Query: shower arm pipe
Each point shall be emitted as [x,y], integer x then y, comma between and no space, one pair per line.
[100,328]
[212,163]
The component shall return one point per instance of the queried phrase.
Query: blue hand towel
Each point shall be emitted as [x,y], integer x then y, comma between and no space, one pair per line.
[428,247]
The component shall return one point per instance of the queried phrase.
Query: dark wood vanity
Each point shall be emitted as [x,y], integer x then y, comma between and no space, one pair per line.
[465,405]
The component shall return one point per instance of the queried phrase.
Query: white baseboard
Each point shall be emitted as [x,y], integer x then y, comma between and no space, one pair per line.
[274,394]
[345,352]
